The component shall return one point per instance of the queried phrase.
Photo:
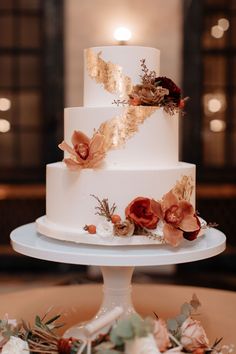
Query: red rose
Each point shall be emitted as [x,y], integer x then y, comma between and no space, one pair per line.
[142,212]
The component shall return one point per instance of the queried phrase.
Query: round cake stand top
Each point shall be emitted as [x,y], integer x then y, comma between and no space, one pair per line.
[27,241]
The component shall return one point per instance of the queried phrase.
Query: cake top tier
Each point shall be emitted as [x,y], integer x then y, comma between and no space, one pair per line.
[111,71]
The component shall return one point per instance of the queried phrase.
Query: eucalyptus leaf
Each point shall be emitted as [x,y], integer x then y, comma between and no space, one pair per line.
[124,329]
[186,309]
[172,325]
[181,318]
[117,340]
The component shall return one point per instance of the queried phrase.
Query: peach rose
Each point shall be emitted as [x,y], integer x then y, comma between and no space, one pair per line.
[142,212]
[161,335]
[193,335]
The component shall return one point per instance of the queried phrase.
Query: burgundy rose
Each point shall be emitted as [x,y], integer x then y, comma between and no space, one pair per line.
[142,212]
[174,91]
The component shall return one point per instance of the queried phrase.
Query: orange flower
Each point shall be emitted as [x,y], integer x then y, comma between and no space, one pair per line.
[180,220]
[86,153]
[142,212]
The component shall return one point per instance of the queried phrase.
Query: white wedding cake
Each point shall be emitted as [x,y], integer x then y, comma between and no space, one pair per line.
[121,181]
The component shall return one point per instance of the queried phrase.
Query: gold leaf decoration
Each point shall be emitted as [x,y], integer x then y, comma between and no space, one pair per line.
[184,188]
[107,73]
[119,129]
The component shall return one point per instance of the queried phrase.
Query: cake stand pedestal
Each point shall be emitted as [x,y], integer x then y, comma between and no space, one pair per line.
[117,263]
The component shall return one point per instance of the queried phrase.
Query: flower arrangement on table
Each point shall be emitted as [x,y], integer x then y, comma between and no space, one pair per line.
[127,335]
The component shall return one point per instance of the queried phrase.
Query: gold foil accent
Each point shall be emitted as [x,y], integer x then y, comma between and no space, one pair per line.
[109,74]
[184,188]
[121,128]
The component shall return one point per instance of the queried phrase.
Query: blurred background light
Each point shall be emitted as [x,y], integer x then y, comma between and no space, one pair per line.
[5,126]
[217,125]
[217,31]
[214,105]
[223,23]
[5,104]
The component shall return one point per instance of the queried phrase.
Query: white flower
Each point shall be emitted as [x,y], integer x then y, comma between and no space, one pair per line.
[142,345]
[15,345]
[105,229]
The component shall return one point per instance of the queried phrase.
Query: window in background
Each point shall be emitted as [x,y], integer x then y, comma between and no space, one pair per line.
[31,90]
[210,81]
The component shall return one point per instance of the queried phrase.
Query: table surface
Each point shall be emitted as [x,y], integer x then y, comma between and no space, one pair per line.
[78,303]
[27,241]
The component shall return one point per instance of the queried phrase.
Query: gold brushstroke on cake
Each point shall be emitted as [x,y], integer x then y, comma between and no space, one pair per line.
[108,74]
[184,188]
[121,128]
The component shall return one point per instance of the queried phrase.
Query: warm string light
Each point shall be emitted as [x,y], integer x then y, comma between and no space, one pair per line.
[122,35]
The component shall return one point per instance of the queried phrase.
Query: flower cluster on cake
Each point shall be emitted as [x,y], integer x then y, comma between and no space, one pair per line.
[125,154]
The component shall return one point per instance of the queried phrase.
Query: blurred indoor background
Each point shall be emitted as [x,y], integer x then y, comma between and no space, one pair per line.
[41,72]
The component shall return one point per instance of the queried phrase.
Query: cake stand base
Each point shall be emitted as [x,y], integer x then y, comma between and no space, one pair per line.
[116,292]
[117,263]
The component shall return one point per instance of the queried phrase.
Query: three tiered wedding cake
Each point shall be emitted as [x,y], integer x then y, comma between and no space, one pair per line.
[121,181]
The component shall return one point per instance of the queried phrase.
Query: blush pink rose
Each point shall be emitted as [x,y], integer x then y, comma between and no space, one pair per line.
[193,335]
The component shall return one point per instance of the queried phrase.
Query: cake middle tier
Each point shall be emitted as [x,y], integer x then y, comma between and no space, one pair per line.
[141,136]
[69,194]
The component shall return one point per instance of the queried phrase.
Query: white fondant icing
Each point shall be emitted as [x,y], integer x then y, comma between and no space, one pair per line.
[68,194]
[128,57]
[155,144]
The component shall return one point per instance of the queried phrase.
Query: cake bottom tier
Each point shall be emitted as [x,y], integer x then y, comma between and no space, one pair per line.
[70,195]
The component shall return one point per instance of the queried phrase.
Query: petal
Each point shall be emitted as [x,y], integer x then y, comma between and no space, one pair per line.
[189,223]
[156,208]
[95,160]
[186,208]
[172,235]
[79,138]
[65,147]
[96,144]
[72,165]
[169,200]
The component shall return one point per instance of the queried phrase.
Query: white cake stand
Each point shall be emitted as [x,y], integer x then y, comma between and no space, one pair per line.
[117,263]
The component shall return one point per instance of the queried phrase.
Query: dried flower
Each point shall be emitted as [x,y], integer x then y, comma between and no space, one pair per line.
[86,153]
[142,212]
[179,218]
[161,335]
[147,95]
[104,209]
[124,228]
[193,335]
[15,345]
